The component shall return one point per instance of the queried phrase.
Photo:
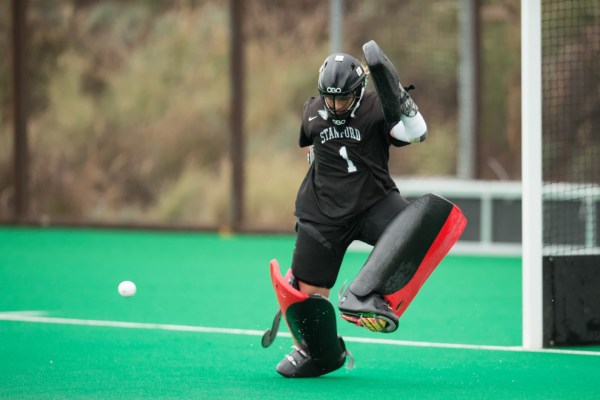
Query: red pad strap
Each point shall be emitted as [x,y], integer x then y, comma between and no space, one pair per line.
[448,235]
[286,294]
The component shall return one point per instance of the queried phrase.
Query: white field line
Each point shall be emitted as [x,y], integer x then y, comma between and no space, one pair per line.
[37,317]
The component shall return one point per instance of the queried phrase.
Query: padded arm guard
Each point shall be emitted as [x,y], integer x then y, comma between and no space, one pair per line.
[311,320]
[395,101]
[405,255]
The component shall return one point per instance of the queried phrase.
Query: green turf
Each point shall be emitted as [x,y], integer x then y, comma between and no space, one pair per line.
[208,280]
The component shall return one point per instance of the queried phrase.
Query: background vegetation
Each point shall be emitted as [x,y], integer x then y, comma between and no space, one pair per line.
[129,101]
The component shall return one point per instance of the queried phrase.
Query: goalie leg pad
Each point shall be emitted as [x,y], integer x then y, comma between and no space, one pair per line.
[311,320]
[403,258]
[395,100]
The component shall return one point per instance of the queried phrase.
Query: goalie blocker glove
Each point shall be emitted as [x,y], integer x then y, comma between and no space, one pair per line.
[395,100]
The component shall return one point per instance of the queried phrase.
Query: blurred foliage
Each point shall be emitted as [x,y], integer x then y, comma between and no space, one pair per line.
[129,101]
[571,70]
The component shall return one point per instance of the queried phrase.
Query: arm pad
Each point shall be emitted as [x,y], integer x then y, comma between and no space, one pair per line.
[410,129]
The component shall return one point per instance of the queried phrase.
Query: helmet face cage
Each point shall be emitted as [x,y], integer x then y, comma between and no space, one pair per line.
[341,79]
[347,101]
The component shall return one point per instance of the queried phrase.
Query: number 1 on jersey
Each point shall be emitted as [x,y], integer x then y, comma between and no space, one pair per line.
[344,154]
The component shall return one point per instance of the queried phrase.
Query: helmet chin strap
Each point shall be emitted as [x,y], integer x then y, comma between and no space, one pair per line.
[338,122]
[358,101]
[362,91]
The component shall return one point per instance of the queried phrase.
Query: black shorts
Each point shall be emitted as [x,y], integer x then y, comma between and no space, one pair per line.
[320,248]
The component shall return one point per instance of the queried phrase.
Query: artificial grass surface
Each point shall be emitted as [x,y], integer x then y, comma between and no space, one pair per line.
[207,280]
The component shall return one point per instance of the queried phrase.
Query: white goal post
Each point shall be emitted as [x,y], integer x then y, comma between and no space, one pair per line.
[531,114]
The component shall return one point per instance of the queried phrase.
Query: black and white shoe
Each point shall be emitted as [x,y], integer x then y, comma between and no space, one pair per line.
[300,364]
[371,312]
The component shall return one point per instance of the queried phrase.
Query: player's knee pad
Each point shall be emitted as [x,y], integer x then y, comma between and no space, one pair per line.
[311,320]
[403,258]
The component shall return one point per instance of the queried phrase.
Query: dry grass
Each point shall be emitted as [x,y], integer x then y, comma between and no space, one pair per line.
[136,125]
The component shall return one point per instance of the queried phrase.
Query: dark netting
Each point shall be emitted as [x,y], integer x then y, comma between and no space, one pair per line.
[571,126]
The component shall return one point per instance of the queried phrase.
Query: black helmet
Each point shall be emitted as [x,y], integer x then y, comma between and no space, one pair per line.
[341,78]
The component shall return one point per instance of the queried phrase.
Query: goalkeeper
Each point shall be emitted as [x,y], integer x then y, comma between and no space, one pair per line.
[348,194]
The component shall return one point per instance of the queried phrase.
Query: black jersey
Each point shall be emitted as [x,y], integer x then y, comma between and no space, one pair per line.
[350,168]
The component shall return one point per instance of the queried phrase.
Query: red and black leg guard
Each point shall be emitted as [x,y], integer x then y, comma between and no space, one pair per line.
[312,323]
[403,258]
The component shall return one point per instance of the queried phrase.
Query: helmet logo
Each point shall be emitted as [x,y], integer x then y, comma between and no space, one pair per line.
[334,90]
